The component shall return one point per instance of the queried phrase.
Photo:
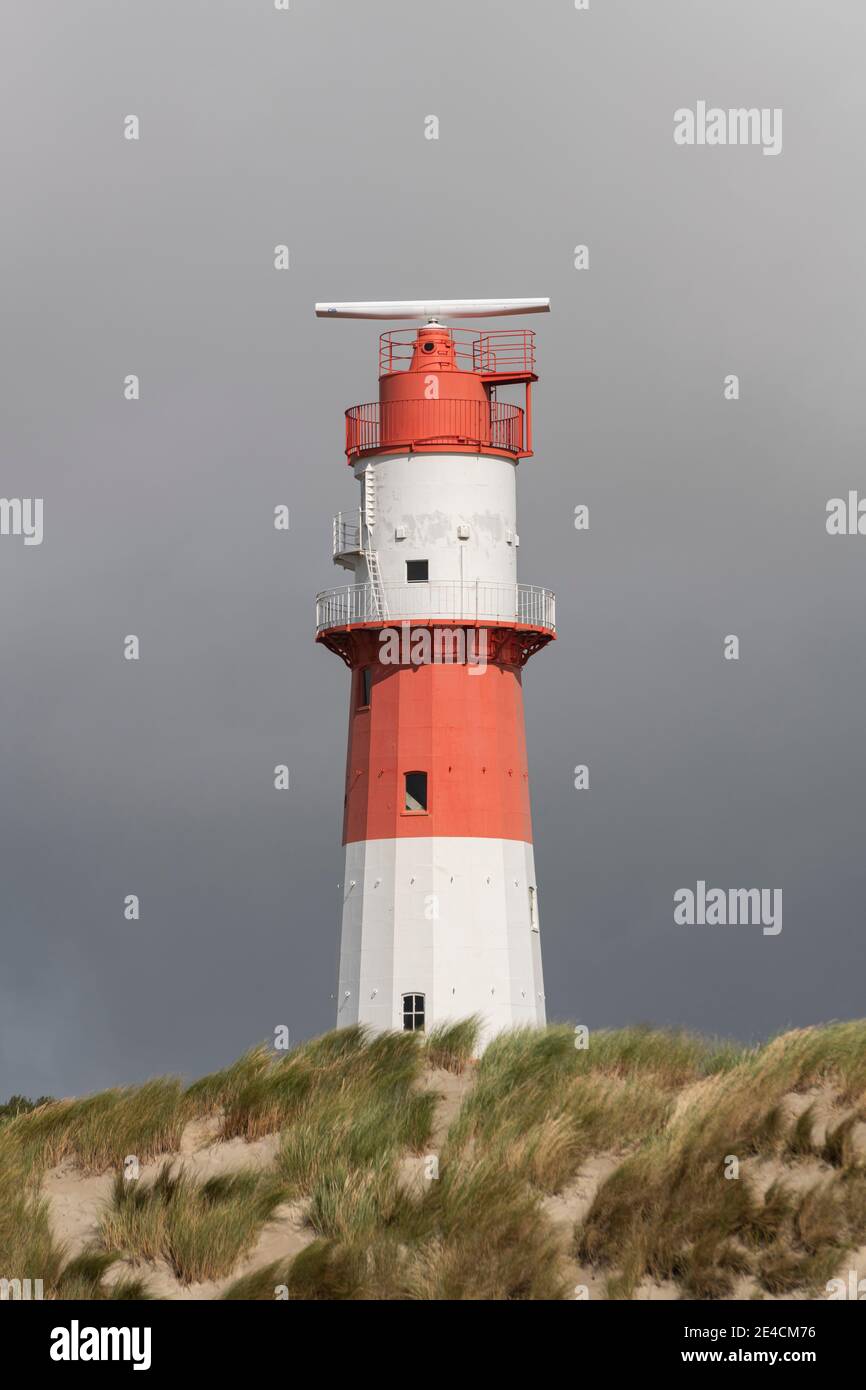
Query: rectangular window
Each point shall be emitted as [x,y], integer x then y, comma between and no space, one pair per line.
[533,925]
[415,798]
[416,571]
[365,686]
[413,1012]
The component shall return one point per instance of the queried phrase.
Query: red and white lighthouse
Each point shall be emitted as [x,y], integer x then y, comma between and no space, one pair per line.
[440,910]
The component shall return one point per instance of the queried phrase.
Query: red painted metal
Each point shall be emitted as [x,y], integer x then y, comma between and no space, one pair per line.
[437,388]
[510,642]
[416,424]
[498,352]
[465,730]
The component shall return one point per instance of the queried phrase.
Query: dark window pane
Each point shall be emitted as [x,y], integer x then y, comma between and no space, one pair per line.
[416,571]
[416,791]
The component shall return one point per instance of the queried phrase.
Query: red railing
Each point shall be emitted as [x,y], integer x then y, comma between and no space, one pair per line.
[502,351]
[407,424]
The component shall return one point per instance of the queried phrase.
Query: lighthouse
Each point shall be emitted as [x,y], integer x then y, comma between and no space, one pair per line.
[440,914]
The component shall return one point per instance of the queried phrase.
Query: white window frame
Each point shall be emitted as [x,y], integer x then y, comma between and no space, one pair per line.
[414,1012]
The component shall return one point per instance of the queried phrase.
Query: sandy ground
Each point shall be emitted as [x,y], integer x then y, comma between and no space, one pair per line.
[414,1170]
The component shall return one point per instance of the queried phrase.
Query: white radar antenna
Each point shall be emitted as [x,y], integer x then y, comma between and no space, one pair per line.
[433,310]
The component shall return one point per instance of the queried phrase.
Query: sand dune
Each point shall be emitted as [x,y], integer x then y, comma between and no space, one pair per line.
[390,1168]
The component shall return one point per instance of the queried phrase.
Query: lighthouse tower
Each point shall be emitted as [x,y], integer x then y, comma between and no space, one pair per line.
[440,900]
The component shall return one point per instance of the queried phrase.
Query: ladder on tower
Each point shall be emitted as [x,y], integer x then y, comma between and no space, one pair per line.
[377,589]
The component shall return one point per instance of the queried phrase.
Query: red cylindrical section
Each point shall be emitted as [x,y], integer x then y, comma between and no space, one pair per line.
[433,399]
[459,725]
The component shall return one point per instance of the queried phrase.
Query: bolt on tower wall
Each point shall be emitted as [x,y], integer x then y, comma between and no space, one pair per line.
[440,913]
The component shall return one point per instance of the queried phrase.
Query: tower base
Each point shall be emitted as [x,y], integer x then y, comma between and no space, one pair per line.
[452,921]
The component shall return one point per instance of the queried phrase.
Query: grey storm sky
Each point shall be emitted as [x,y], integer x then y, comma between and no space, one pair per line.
[706,517]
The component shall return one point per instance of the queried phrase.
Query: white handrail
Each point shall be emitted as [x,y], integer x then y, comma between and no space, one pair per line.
[347,533]
[488,600]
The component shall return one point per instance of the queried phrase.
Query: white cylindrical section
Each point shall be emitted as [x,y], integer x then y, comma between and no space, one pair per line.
[457,512]
[454,919]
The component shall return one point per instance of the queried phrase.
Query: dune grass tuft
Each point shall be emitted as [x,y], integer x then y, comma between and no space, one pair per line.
[475,1233]
[216,1092]
[543,1105]
[201,1229]
[336,1064]
[99,1131]
[452,1046]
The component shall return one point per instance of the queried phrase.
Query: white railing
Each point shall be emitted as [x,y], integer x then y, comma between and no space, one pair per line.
[476,600]
[347,535]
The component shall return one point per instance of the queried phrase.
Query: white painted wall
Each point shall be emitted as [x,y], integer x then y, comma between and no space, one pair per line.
[447,917]
[431,495]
